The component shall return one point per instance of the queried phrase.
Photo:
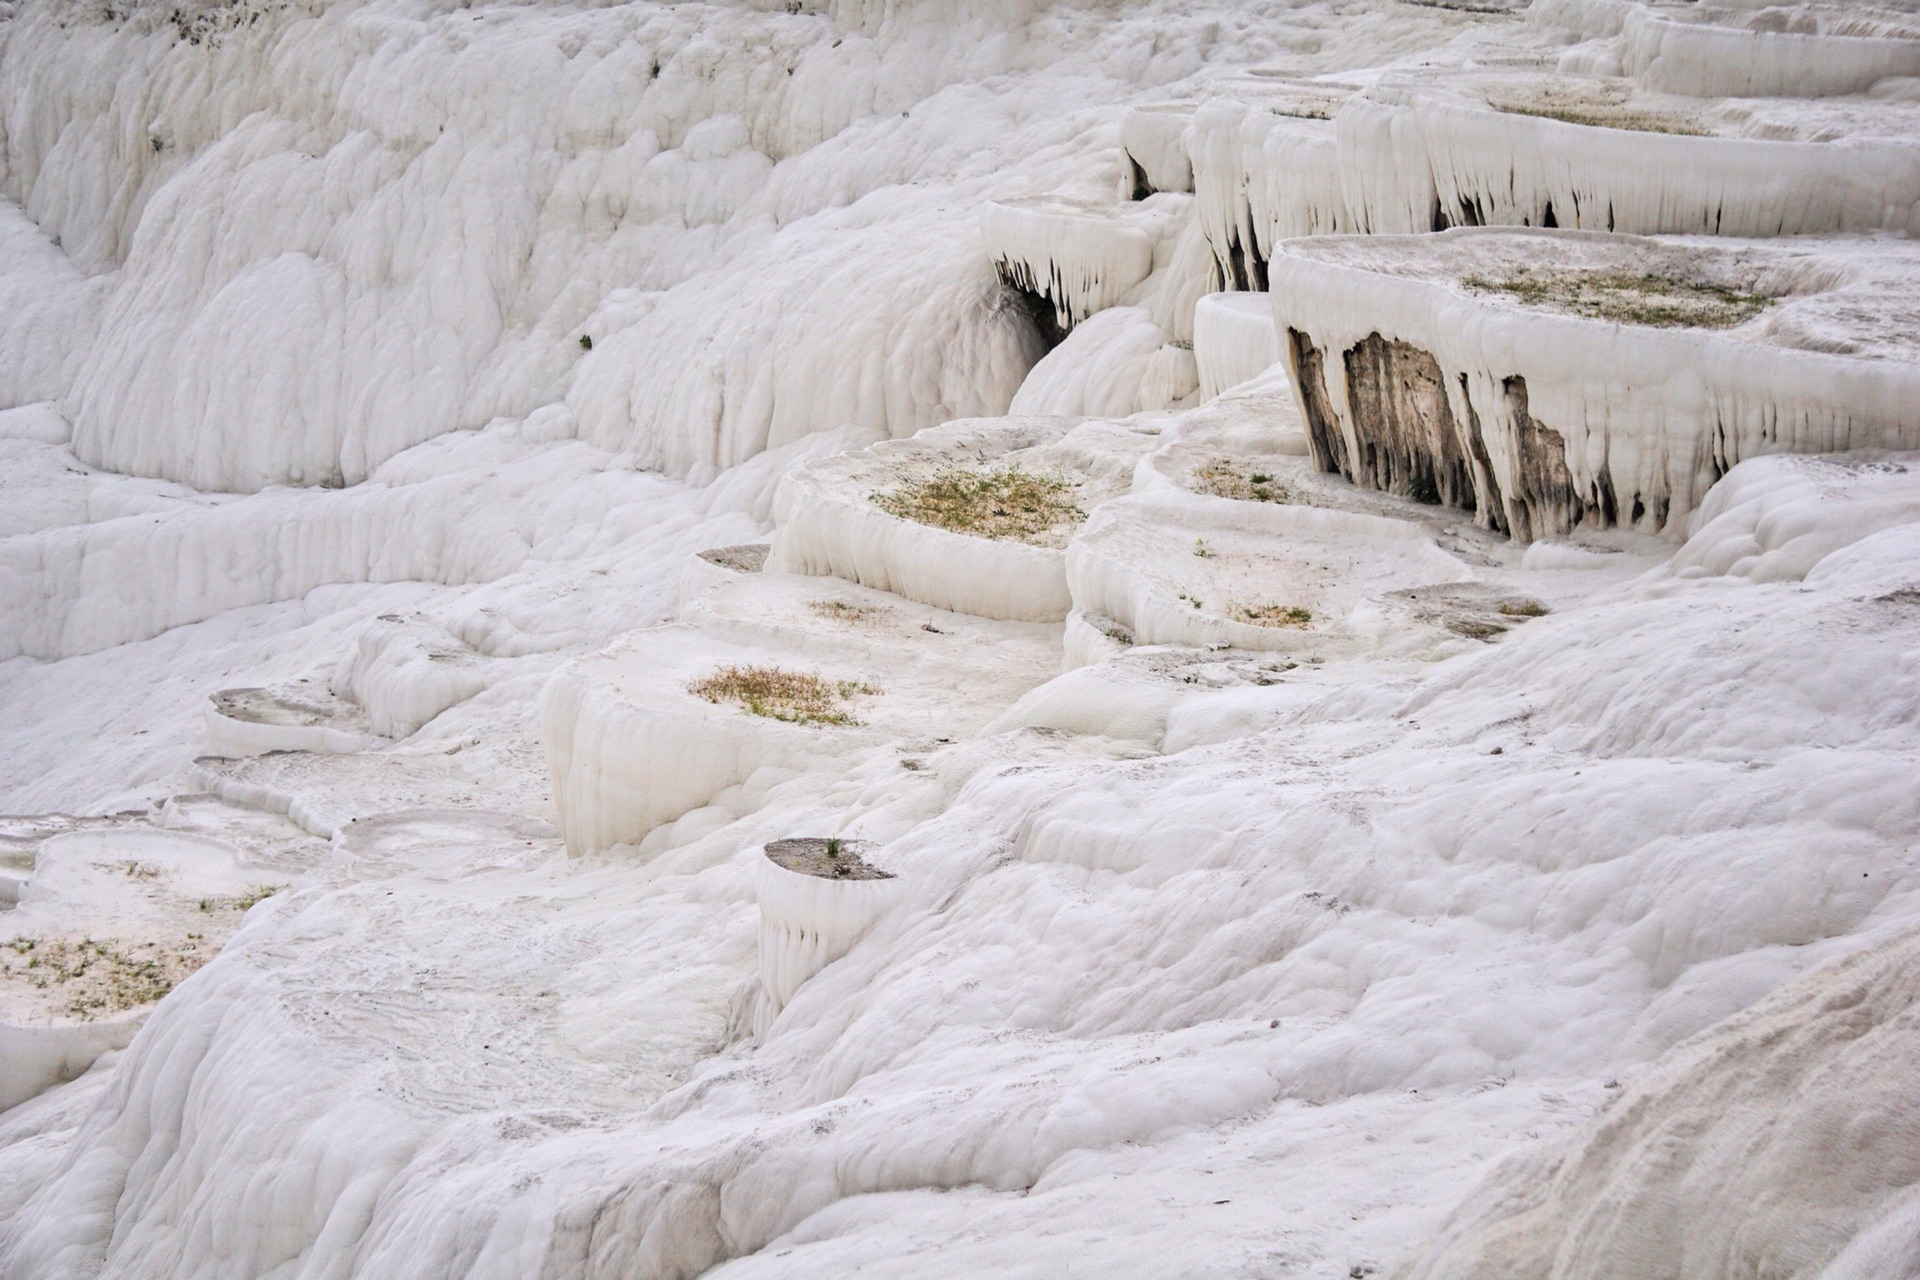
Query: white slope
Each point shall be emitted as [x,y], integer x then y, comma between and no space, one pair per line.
[321,264]
[1654,845]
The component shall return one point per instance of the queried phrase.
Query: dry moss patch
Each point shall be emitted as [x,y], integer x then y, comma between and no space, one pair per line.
[1273,615]
[1224,479]
[1601,115]
[846,611]
[1625,298]
[797,697]
[1010,503]
[99,979]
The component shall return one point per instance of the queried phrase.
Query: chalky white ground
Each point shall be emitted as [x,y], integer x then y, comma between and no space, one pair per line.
[1199,960]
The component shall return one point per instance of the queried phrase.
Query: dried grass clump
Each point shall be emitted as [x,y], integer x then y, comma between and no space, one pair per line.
[1224,479]
[1601,114]
[100,979]
[1625,298]
[797,697]
[1273,615]
[1010,503]
[1523,609]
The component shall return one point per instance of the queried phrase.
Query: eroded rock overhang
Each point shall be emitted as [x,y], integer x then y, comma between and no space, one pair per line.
[1421,376]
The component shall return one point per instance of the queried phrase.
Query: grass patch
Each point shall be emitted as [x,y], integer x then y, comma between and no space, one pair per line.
[99,979]
[1523,609]
[1010,503]
[1273,615]
[1224,479]
[1603,115]
[797,697]
[242,902]
[1625,298]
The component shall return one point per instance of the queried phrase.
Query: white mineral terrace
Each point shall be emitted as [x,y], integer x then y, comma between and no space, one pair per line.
[959,638]
[1547,415]
[1744,50]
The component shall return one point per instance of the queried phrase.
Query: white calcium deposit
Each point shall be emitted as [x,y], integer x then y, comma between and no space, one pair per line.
[1429,790]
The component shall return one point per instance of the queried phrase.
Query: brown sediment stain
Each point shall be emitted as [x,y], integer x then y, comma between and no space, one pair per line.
[1407,440]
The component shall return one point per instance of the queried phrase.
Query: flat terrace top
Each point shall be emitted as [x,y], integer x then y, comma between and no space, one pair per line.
[1614,102]
[828,859]
[1843,295]
[307,709]
[1533,87]
[1076,464]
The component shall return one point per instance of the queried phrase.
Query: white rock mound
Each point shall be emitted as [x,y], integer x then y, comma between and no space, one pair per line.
[1761,1147]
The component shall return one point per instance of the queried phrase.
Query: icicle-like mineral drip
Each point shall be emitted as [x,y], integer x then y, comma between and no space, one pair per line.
[1078,260]
[1417,159]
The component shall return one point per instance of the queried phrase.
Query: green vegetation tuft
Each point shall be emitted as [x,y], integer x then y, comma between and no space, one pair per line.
[1624,298]
[100,979]
[1008,504]
[1224,479]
